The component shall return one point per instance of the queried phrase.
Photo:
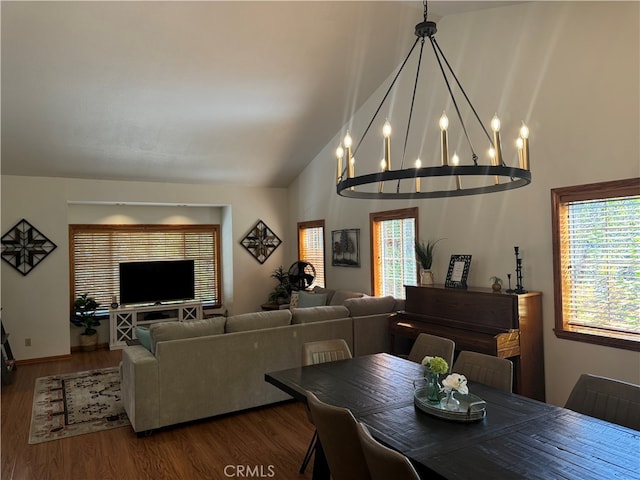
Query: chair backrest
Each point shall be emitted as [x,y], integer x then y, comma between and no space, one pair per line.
[338,432]
[486,369]
[608,399]
[325,351]
[432,346]
[383,462]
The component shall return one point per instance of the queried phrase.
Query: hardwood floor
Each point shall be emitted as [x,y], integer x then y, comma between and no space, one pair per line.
[269,442]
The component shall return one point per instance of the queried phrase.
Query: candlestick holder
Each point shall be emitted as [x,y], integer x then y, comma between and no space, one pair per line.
[519,288]
[509,290]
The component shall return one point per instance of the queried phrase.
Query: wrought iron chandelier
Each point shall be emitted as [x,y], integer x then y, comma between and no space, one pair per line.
[459,179]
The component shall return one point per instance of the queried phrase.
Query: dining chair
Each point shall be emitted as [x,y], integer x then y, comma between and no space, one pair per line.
[383,462]
[486,369]
[313,353]
[338,433]
[607,399]
[432,346]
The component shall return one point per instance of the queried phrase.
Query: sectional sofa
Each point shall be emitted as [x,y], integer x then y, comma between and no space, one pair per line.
[199,369]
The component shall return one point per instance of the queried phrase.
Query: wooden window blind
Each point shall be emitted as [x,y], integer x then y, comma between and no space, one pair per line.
[393,235]
[97,250]
[597,261]
[311,247]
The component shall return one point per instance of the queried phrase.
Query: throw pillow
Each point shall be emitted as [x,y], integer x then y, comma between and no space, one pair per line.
[144,337]
[293,303]
[306,299]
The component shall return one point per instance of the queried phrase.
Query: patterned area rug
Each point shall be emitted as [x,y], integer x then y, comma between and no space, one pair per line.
[75,404]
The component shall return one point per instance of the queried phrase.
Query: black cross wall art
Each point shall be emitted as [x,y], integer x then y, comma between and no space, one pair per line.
[261,241]
[24,247]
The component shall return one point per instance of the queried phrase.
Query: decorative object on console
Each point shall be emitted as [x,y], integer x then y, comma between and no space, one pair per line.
[24,247]
[261,242]
[496,283]
[458,271]
[443,180]
[346,248]
[424,256]
[301,275]
[519,288]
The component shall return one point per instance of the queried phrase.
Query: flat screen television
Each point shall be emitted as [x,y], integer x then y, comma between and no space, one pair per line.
[157,281]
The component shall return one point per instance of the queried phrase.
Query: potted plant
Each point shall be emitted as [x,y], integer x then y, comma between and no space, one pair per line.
[281,294]
[84,315]
[424,256]
[496,283]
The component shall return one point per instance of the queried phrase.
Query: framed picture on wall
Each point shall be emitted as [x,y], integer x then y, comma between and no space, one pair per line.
[458,271]
[345,248]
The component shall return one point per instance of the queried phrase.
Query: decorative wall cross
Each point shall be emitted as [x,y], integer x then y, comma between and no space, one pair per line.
[24,247]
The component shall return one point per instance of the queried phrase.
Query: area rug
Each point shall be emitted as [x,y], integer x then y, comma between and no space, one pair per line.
[75,404]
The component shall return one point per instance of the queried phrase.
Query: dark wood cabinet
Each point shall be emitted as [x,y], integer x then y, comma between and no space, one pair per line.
[481,320]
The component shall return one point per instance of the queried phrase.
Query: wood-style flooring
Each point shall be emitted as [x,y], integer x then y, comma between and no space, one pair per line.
[268,442]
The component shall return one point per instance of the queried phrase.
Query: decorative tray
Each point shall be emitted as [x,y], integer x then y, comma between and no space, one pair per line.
[470,409]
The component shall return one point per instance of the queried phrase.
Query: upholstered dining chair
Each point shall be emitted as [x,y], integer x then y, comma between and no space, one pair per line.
[338,433]
[383,462]
[313,353]
[432,346]
[607,399]
[486,369]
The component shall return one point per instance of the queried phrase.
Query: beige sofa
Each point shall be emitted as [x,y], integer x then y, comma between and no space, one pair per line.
[203,368]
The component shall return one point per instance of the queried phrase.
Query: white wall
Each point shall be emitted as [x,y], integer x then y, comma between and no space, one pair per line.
[570,71]
[36,306]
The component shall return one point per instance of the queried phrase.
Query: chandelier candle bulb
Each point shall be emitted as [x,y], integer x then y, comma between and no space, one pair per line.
[444,141]
[497,160]
[418,165]
[386,132]
[455,160]
[524,133]
[382,169]
[339,155]
[519,145]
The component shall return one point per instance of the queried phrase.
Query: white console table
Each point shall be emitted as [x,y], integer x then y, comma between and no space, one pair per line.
[124,320]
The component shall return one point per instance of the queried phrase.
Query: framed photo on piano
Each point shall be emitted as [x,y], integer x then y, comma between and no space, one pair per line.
[458,271]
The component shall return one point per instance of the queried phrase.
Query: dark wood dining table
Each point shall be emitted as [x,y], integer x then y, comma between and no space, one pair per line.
[518,438]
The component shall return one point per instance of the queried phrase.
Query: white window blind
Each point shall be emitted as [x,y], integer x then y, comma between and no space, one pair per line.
[97,250]
[311,247]
[600,259]
[394,255]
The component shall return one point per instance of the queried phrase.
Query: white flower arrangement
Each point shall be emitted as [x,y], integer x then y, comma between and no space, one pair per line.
[457,382]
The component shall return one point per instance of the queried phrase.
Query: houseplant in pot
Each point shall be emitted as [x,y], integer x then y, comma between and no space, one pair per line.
[84,315]
[424,256]
[281,294]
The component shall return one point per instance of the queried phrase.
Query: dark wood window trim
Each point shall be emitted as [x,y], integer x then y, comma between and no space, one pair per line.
[559,198]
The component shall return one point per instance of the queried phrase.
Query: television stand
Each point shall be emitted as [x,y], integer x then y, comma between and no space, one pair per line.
[124,320]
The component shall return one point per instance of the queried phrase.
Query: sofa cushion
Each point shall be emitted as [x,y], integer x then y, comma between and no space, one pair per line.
[360,307]
[163,331]
[144,337]
[327,291]
[318,314]
[340,296]
[258,320]
[307,299]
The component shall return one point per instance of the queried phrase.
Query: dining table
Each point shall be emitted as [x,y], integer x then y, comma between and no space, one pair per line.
[516,437]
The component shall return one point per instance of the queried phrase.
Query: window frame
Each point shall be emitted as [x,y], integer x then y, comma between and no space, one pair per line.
[314,224]
[560,197]
[376,217]
[138,228]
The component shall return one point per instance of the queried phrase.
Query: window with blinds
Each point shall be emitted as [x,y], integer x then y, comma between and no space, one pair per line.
[393,261]
[311,247]
[597,261]
[97,250]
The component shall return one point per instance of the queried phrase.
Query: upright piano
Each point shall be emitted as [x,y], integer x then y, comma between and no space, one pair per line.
[478,319]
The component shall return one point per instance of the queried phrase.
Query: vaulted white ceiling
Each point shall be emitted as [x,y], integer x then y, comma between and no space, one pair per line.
[217,92]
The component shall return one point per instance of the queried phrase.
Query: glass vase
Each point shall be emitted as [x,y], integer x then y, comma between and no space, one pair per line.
[449,402]
[433,387]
